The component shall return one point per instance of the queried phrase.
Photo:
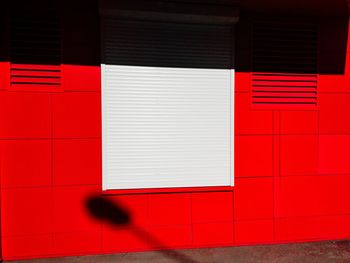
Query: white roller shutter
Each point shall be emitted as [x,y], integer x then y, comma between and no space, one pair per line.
[167,95]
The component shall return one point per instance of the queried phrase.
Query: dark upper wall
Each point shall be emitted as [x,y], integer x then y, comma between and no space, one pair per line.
[80,29]
[330,36]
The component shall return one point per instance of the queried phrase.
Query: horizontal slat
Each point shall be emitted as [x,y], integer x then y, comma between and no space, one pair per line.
[34,86]
[35,73]
[286,74]
[285,89]
[276,77]
[280,83]
[285,100]
[35,80]
[278,95]
[35,67]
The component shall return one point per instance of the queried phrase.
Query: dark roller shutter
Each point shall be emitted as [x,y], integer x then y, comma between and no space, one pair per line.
[159,44]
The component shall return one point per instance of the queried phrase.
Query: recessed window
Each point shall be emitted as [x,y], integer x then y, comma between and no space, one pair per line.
[167,95]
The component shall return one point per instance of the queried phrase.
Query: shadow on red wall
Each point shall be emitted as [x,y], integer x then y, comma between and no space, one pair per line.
[113,213]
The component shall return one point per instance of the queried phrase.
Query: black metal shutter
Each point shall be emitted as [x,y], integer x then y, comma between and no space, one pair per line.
[145,43]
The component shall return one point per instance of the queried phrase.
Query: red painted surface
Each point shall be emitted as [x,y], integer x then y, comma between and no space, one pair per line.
[292,175]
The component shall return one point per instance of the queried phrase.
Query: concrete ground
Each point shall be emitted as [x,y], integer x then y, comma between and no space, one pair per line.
[318,252]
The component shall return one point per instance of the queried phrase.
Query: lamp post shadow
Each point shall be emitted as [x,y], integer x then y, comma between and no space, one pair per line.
[114,214]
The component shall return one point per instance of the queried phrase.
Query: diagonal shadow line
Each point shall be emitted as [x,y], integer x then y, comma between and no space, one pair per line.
[105,210]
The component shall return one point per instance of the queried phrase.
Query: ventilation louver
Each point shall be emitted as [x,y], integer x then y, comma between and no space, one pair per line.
[33,75]
[35,46]
[284,64]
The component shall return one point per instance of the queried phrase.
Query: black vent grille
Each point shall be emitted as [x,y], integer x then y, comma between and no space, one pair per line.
[34,76]
[283,88]
[284,64]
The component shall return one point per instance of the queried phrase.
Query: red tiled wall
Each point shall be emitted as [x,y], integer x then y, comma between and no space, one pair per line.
[292,174]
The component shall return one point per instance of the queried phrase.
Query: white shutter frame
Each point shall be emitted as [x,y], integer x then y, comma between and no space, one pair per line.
[113,176]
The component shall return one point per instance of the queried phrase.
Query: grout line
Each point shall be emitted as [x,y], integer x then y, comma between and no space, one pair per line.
[52,168]
[191,219]
[47,186]
[233,217]
[274,172]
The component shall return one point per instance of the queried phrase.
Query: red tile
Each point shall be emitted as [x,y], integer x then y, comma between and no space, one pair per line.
[248,121]
[294,229]
[4,75]
[26,211]
[333,194]
[212,207]
[253,156]
[299,122]
[206,234]
[253,198]
[25,163]
[299,196]
[135,205]
[124,240]
[170,209]
[334,154]
[81,78]
[314,195]
[260,231]
[70,209]
[299,154]
[333,82]
[242,81]
[24,247]
[334,110]
[336,227]
[77,162]
[25,115]
[313,228]
[77,115]
[168,237]
[68,243]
